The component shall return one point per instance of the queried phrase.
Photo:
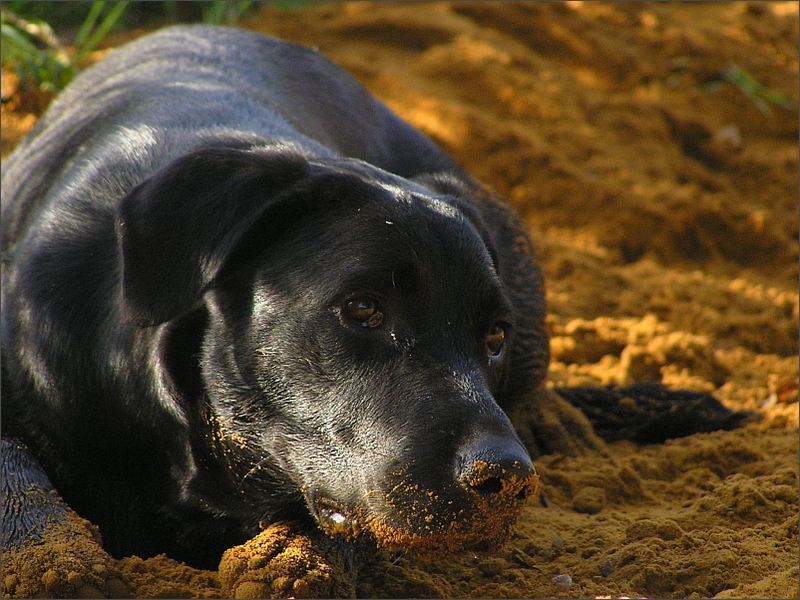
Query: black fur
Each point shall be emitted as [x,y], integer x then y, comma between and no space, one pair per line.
[650,413]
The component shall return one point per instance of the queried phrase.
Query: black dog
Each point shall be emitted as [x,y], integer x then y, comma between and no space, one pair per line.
[237,289]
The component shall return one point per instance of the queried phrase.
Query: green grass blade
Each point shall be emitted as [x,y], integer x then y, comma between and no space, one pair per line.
[171,10]
[88,23]
[241,8]
[102,30]
[214,13]
[759,94]
[18,41]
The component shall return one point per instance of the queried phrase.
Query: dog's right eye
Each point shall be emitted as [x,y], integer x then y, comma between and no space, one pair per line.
[365,312]
[495,340]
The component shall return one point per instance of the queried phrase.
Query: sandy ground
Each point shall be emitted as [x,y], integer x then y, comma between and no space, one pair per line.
[660,185]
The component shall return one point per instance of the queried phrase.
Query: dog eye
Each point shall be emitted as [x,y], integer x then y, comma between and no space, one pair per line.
[495,340]
[364,311]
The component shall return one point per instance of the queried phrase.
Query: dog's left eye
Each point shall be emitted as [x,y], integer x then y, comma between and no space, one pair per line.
[495,340]
[365,311]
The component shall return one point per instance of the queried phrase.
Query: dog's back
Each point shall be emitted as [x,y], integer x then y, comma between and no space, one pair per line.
[187,86]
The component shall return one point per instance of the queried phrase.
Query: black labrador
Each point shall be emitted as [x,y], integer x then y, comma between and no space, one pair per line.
[238,289]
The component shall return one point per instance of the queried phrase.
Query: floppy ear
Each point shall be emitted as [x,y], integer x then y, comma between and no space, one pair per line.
[176,229]
[511,250]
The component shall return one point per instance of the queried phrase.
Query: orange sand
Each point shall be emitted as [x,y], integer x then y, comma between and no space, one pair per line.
[664,201]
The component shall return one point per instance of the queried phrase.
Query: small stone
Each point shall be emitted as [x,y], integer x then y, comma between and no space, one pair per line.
[563,582]
[729,135]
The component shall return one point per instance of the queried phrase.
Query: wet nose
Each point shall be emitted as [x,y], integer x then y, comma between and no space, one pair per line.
[494,467]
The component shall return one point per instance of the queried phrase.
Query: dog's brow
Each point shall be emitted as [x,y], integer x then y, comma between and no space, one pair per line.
[403,194]
[440,207]
[377,280]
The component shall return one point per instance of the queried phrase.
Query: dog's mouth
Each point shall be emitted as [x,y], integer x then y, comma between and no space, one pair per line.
[336,520]
[431,522]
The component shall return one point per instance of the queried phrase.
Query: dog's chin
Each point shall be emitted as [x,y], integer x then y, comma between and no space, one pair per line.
[427,523]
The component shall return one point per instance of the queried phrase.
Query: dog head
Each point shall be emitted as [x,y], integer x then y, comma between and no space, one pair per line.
[335,337]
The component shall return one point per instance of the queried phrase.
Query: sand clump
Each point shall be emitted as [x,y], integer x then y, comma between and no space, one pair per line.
[280,563]
[67,563]
[163,577]
[661,194]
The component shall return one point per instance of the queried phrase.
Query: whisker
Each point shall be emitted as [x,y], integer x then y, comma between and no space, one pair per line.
[255,469]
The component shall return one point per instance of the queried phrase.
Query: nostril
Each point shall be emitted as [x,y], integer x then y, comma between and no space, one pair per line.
[496,481]
[496,468]
[492,485]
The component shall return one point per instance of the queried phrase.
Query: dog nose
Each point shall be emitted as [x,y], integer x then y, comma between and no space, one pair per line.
[496,467]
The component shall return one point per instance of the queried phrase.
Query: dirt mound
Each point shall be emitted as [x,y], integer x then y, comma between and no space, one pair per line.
[652,151]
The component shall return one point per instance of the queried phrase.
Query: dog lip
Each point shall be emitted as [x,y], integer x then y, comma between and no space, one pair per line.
[334,518]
